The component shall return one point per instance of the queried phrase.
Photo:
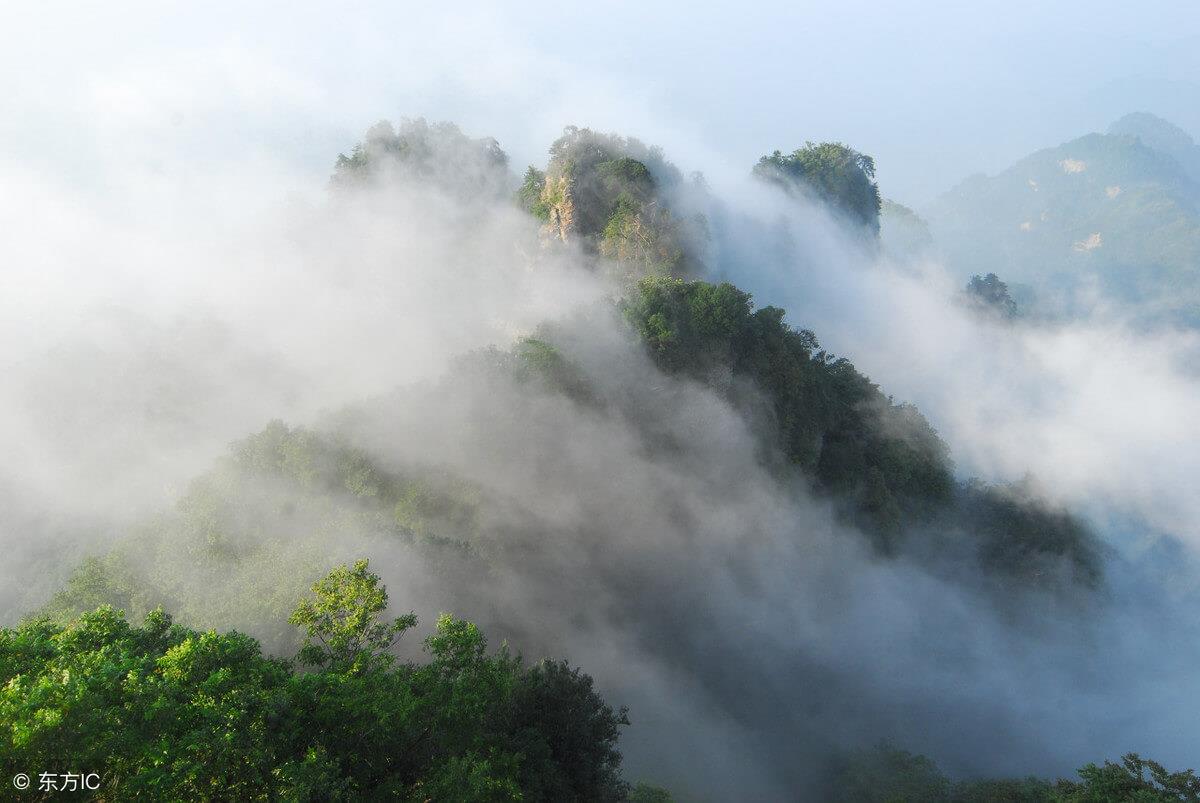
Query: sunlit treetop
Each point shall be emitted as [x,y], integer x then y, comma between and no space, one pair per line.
[831,172]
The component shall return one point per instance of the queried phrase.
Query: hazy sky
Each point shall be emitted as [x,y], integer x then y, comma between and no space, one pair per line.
[934,90]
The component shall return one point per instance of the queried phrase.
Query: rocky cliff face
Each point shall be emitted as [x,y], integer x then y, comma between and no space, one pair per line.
[559,201]
[605,194]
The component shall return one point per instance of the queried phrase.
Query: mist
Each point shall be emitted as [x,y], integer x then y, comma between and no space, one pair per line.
[179,271]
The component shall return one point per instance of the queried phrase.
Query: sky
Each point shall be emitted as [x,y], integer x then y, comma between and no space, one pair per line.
[934,91]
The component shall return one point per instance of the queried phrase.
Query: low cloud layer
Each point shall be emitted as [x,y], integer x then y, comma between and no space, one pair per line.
[165,309]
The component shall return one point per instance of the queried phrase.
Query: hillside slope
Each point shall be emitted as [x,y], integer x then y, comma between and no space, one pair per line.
[1107,217]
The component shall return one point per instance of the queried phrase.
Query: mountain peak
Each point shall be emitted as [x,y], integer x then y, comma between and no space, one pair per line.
[1153,130]
[1163,136]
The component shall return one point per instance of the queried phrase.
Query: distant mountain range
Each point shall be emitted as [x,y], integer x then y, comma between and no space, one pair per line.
[1111,217]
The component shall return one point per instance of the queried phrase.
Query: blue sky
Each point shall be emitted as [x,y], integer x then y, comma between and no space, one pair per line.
[933,90]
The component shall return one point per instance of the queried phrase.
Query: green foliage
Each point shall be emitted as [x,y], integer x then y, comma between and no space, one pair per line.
[583,148]
[645,793]
[342,630]
[823,417]
[168,713]
[1135,779]
[607,192]
[536,359]
[436,507]
[1003,790]
[176,713]
[626,174]
[990,296]
[831,172]
[1022,538]
[96,582]
[529,196]
[317,776]
[882,461]
[172,713]
[472,777]
[580,754]
[252,534]
[437,155]
[885,774]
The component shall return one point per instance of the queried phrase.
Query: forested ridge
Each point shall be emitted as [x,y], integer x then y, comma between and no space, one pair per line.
[140,662]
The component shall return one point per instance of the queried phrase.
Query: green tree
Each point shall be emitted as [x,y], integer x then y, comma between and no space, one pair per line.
[1135,779]
[175,714]
[529,194]
[342,627]
[990,295]
[168,713]
[832,173]
[566,733]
